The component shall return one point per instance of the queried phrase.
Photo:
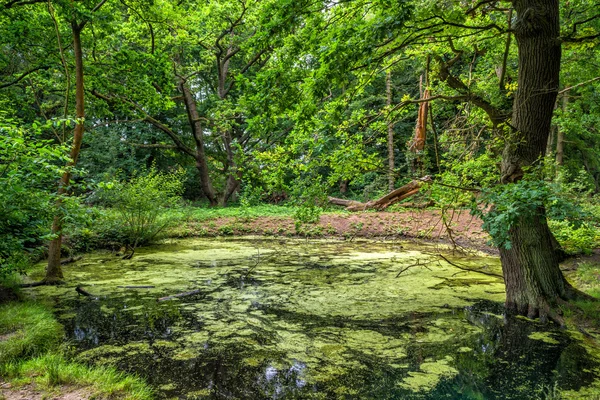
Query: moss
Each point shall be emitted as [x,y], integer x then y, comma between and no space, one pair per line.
[545,337]
[431,372]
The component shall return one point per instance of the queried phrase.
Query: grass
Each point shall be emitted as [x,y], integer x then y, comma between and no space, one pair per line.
[31,354]
[52,370]
[262,210]
[30,329]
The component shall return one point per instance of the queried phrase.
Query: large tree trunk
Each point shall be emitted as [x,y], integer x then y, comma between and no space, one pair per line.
[198,134]
[53,270]
[534,281]
[232,183]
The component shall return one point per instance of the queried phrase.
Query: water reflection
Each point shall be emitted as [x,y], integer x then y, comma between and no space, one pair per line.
[307,327]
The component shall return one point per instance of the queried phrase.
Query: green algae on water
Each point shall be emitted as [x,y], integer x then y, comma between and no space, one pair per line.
[303,319]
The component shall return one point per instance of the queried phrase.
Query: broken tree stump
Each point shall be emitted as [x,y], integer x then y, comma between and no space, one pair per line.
[404,192]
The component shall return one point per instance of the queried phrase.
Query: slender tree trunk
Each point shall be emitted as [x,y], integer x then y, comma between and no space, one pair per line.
[53,270]
[560,137]
[344,185]
[390,137]
[534,281]
[232,183]
[198,134]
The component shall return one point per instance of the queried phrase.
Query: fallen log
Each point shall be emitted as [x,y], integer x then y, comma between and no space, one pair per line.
[404,192]
[137,287]
[83,292]
[70,260]
[178,295]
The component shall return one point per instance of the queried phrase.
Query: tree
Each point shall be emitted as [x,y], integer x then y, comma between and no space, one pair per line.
[206,61]
[534,281]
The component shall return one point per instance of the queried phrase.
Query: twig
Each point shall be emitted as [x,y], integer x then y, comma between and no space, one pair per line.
[469,269]
[417,264]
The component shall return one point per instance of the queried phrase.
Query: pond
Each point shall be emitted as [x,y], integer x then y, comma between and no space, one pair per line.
[318,319]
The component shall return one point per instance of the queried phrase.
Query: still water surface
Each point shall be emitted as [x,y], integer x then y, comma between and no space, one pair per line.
[297,319]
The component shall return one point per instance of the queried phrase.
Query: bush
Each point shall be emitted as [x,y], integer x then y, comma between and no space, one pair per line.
[575,239]
[141,205]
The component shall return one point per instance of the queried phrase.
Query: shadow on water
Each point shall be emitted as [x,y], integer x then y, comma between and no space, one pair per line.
[499,362]
[236,342]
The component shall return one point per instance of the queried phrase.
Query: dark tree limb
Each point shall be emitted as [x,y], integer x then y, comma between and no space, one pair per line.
[23,75]
[83,292]
[179,295]
[70,260]
[137,287]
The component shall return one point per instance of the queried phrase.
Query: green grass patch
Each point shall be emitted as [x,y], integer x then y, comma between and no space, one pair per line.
[28,330]
[52,370]
[31,353]
[261,210]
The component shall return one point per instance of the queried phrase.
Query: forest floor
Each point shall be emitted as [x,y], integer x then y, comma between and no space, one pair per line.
[30,392]
[454,227]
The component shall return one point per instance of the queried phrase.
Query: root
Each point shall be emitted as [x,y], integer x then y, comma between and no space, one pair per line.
[43,282]
[575,294]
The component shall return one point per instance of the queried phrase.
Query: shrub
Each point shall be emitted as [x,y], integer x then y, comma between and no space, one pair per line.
[27,165]
[141,204]
[575,239]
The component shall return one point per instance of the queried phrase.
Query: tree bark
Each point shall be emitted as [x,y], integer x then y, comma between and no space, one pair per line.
[198,134]
[534,281]
[560,136]
[390,129]
[232,182]
[53,270]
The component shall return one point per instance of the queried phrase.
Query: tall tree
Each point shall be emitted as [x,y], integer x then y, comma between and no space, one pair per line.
[53,270]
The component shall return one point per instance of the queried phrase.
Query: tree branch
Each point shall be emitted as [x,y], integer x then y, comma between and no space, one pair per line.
[579,84]
[153,121]
[23,75]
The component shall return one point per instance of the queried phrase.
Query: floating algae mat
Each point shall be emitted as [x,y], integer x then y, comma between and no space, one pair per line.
[297,319]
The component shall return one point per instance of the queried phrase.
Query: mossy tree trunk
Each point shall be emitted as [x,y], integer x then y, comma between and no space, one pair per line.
[534,281]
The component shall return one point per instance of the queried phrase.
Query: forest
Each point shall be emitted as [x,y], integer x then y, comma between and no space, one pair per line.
[299,199]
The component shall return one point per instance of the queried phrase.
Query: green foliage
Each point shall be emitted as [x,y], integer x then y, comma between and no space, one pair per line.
[142,203]
[575,239]
[503,206]
[28,173]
